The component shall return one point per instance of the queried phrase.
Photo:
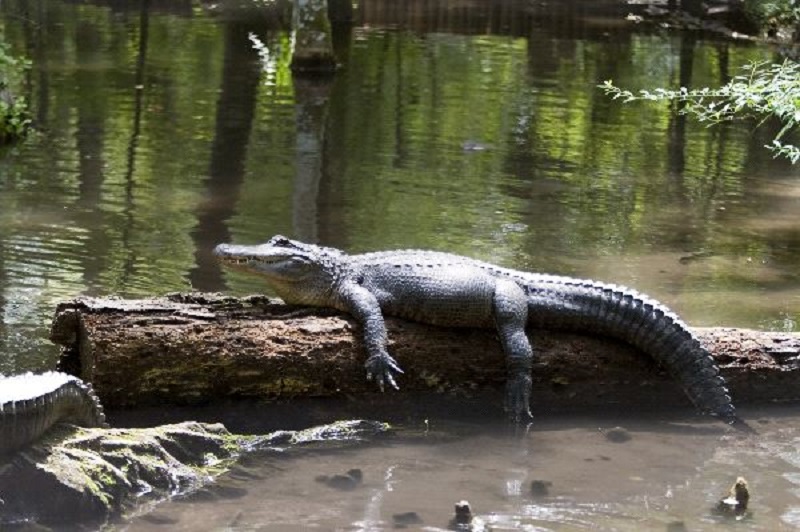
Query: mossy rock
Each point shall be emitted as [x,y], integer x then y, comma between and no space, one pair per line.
[78,475]
[89,476]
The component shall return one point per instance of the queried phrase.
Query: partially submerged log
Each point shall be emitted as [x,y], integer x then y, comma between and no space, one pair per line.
[189,349]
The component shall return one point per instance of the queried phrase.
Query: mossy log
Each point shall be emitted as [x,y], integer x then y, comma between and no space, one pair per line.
[189,349]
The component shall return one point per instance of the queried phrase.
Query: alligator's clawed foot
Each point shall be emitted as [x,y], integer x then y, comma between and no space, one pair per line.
[518,398]
[380,368]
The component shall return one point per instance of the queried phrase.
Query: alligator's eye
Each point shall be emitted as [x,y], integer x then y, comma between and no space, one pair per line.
[281,241]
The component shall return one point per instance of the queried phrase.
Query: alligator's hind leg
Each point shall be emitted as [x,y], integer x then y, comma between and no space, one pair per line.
[510,310]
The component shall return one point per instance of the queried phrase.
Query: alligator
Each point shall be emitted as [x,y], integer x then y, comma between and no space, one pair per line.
[31,404]
[451,290]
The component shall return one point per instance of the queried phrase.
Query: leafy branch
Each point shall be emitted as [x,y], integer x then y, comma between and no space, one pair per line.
[765,90]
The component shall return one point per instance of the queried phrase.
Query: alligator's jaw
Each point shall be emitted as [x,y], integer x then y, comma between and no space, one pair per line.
[261,259]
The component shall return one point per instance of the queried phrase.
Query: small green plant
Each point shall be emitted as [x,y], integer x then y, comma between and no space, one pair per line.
[14,115]
[766,90]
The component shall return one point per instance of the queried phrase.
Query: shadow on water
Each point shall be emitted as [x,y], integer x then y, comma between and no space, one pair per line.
[480,408]
[234,116]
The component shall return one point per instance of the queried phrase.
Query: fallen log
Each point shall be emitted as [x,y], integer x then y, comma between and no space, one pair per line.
[189,349]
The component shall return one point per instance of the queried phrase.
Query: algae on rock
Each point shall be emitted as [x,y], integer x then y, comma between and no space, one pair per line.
[90,475]
[79,474]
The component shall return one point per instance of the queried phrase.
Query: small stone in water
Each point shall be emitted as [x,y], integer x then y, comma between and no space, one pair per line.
[348,481]
[618,435]
[463,515]
[737,500]
[540,488]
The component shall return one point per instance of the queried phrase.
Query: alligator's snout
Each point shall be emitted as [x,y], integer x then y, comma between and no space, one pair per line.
[227,254]
[221,250]
[235,255]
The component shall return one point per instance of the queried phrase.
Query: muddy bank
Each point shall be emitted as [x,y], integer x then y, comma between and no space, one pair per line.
[190,349]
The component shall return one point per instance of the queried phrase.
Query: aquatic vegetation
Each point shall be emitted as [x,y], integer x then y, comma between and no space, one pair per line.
[765,91]
[14,116]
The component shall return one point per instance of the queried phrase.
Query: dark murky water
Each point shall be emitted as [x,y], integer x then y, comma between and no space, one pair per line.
[473,127]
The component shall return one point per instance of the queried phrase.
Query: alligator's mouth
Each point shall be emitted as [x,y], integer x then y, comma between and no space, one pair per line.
[240,256]
[245,261]
[237,261]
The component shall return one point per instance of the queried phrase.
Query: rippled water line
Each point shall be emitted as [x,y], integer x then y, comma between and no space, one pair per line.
[45,252]
[29,260]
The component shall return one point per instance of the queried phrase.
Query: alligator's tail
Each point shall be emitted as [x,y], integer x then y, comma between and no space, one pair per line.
[32,404]
[559,302]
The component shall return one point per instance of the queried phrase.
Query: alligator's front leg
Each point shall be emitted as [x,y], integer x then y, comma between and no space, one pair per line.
[363,305]
[510,311]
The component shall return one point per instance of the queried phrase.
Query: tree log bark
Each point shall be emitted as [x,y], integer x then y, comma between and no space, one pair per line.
[189,349]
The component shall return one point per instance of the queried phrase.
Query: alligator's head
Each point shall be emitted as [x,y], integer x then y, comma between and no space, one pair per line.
[297,271]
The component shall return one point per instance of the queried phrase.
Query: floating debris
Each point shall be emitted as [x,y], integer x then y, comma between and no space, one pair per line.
[735,504]
[474,145]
